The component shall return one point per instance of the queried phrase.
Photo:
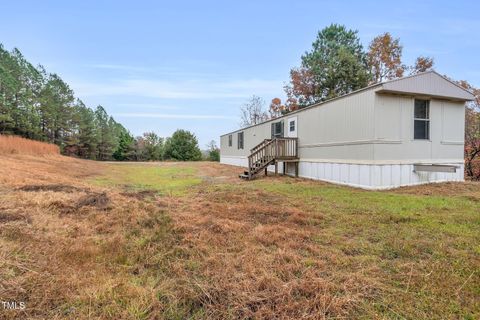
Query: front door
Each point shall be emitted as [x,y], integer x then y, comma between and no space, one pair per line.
[292,127]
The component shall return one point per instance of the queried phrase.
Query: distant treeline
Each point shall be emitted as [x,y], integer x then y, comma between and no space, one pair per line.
[39,105]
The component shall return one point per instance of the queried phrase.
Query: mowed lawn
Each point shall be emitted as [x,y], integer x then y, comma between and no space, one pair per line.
[191,240]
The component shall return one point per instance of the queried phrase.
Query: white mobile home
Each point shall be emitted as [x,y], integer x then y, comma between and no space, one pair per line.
[402,132]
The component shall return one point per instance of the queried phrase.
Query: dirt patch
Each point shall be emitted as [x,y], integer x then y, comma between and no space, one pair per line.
[62,207]
[467,188]
[218,173]
[99,201]
[92,199]
[474,198]
[9,217]
[50,187]
[140,195]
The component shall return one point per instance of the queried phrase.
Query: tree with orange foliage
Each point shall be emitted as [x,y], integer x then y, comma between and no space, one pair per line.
[422,64]
[472,133]
[385,58]
[302,86]
[278,109]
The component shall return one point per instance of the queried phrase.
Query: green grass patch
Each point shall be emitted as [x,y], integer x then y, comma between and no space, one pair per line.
[455,215]
[166,179]
[426,246]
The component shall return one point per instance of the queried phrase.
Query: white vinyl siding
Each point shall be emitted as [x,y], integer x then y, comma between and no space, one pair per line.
[371,124]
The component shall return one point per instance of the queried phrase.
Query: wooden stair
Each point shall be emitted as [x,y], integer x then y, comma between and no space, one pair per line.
[268,152]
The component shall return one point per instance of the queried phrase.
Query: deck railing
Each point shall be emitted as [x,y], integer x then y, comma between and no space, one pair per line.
[269,150]
[286,148]
[260,145]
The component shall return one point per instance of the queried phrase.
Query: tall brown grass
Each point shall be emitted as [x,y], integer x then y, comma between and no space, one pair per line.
[19,145]
[75,244]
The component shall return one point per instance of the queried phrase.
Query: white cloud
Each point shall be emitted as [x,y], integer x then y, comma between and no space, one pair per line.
[147,106]
[171,116]
[116,67]
[180,89]
[158,70]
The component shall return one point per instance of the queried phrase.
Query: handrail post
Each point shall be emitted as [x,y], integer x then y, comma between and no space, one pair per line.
[276,148]
[249,167]
[296,147]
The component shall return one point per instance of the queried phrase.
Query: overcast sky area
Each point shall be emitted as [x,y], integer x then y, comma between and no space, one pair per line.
[190,65]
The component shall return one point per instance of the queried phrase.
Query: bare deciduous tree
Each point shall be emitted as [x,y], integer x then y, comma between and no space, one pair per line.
[253,111]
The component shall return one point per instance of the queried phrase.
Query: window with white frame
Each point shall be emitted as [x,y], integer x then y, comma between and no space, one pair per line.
[230,140]
[421,120]
[292,125]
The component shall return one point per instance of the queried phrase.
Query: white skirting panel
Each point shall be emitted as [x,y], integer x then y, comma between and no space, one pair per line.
[366,176]
[375,176]
[234,161]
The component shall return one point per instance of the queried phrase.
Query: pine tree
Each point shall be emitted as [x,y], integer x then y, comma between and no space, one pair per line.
[126,145]
[40,105]
[335,65]
[8,85]
[105,134]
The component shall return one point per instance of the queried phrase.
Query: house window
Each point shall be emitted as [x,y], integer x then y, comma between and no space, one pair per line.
[421,120]
[277,129]
[240,140]
[292,125]
[230,138]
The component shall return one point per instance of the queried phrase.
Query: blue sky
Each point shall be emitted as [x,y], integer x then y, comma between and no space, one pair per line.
[162,65]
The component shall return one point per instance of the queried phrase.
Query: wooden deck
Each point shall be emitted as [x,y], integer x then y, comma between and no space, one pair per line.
[271,152]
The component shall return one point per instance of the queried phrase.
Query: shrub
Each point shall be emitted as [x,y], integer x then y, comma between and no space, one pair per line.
[214,155]
[213,151]
[183,146]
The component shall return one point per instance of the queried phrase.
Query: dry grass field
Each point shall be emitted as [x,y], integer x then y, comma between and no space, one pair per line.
[19,145]
[89,240]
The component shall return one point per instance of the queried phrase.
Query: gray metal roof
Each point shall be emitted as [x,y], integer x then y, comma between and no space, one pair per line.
[428,83]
